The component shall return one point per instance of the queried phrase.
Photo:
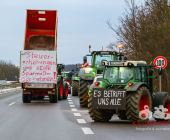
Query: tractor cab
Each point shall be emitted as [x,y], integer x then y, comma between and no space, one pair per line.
[67,76]
[124,73]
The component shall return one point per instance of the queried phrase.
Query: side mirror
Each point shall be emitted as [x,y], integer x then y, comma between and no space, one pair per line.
[160,71]
[85,59]
[63,66]
[125,58]
[130,64]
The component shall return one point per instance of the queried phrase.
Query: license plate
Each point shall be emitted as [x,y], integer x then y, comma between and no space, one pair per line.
[103,98]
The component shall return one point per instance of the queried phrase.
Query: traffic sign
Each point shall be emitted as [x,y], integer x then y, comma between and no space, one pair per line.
[160,61]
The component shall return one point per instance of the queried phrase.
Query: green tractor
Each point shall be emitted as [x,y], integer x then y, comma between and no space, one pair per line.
[127,90]
[67,77]
[76,82]
[87,74]
[62,85]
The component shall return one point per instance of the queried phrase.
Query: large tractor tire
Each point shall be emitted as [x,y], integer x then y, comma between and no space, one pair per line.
[26,98]
[165,104]
[138,105]
[65,93]
[98,115]
[84,92]
[54,98]
[75,87]
[122,114]
[60,90]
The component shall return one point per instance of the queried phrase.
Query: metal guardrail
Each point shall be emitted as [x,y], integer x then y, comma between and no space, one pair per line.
[8,86]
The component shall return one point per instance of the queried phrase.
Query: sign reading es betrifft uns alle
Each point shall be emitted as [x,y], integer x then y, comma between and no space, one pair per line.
[103,98]
[160,61]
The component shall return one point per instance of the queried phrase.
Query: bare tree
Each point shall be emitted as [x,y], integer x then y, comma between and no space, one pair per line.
[144,31]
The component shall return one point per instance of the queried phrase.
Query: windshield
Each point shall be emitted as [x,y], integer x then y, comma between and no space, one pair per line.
[66,74]
[118,74]
[99,58]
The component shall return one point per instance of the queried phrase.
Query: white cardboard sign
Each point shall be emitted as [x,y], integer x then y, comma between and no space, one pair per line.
[38,66]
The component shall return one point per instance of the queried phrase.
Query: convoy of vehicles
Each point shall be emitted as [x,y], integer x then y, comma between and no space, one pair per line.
[110,85]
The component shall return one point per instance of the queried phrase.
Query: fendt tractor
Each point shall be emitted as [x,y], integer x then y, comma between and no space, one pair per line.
[67,78]
[76,82]
[87,74]
[67,75]
[126,90]
[38,59]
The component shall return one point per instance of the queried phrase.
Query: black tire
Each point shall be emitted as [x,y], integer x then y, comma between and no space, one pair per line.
[54,98]
[26,98]
[75,87]
[84,92]
[60,87]
[122,114]
[165,104]
[135,103]
[65,93]
[51,98]
[98,115]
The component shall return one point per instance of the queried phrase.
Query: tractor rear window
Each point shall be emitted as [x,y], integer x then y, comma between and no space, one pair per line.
[99,79]
[118,74]
[102,57]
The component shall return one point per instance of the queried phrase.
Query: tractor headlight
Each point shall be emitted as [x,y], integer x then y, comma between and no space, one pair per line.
[87,71]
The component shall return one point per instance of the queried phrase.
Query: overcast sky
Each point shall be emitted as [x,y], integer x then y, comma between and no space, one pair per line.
[80,23]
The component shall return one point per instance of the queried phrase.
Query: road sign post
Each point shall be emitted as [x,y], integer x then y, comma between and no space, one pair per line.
[160,63]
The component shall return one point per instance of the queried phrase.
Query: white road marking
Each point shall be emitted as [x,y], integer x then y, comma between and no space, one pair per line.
[70,102]
[77,114]
[81,121]
[72,105]
[11,104]
[74,109]
[87,130]
[68,98]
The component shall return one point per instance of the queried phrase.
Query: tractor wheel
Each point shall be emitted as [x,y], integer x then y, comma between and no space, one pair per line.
[138,105]
[122,114]
[165,104]
[75,88]
[26,98]
[51,98]
[60,90]
[65,93]
[98,115]
[84,92]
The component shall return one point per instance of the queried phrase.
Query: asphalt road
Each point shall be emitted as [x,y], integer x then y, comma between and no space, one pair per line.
[41,120]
